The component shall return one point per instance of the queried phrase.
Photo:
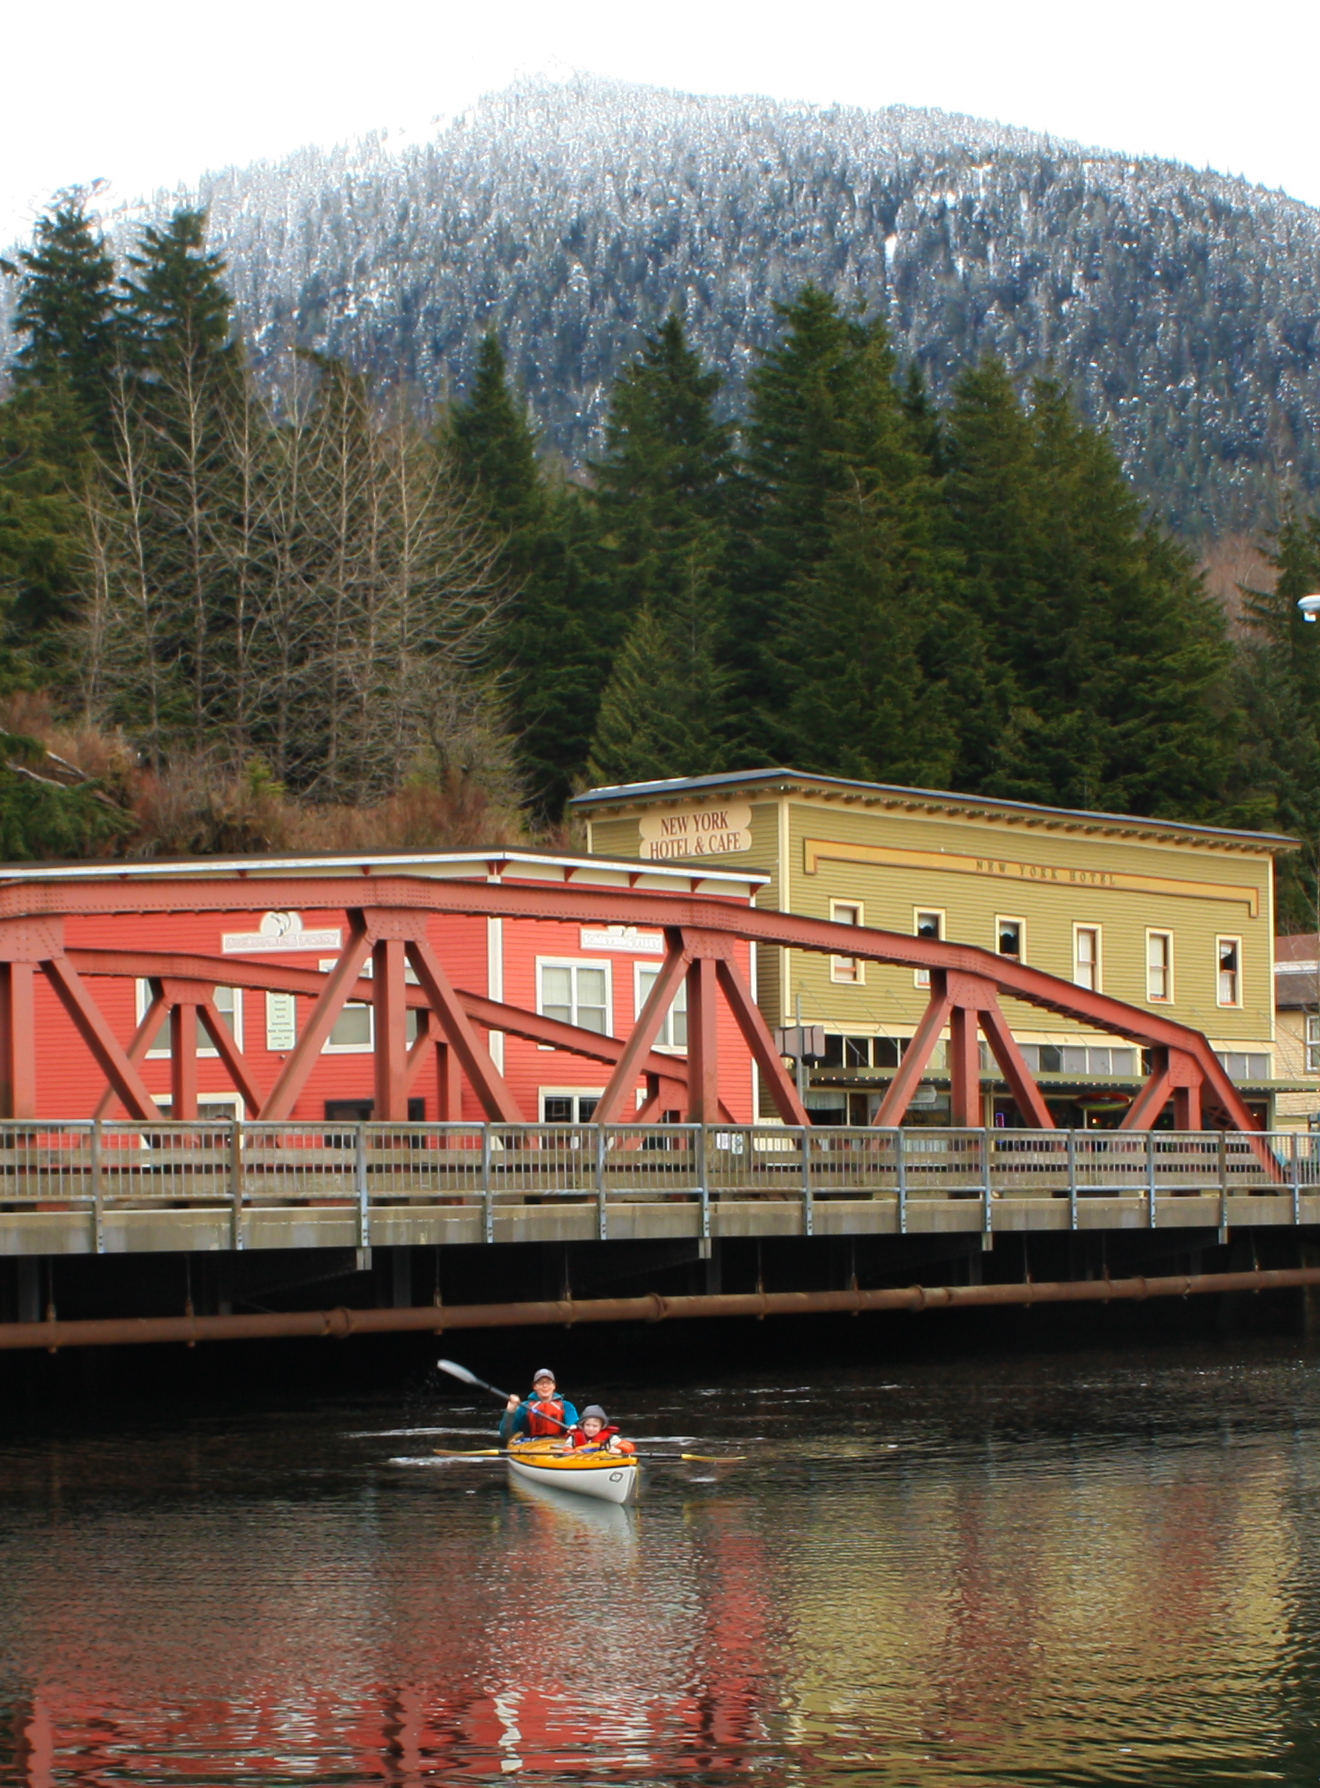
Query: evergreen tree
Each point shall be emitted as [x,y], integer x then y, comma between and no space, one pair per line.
[846,604]
[491,442]
[799,438]
[68,310]
[186,372]
[558,635]
[664,481]
[1279,679]
[1107,668]
[662,711]
[39,531]
[662,494]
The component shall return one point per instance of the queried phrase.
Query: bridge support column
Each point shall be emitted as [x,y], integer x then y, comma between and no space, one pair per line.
[18,1040]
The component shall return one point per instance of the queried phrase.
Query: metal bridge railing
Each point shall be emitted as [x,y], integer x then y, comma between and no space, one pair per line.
[108,1168]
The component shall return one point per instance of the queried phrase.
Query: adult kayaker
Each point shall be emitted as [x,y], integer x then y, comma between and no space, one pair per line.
[597,1432]
[543,1415]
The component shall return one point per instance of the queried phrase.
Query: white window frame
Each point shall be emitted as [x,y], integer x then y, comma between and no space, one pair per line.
[664,1042]
[574,963]
[1166,998]
[161,1051]
[848,971]
[331,1048]
[1011,919]
[1311,1041]
[921,977]
[1234,1004]
[567,1092]
[232,1102]
[1097,964]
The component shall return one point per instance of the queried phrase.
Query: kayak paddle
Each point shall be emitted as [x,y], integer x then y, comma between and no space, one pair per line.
[664,1458]
[454,1370]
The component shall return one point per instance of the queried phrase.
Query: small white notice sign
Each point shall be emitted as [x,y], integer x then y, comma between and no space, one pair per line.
[696,831]
[281,1022]
[279,932]
[623,937]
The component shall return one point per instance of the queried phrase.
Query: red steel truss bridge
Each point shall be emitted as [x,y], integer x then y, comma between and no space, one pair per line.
[389,907]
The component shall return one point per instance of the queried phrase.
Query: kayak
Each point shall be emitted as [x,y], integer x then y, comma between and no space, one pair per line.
[610,1477]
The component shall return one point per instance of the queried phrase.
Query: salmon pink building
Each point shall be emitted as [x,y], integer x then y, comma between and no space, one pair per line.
[196,985]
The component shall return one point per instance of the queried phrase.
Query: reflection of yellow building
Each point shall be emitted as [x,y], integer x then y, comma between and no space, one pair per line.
[1172,917]
[1008,1619]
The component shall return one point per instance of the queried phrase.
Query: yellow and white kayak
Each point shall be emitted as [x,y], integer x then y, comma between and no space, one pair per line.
[610,1477]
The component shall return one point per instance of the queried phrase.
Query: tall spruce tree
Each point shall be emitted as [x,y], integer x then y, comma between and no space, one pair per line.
[68,310]
[185,373]
[664,482]
[1107,667]
[1279,680]
[846,597]
[662,712]
[662,492]
[558,635]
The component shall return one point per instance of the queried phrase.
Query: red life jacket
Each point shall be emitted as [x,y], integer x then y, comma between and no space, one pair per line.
[603,1439]
[551,1422]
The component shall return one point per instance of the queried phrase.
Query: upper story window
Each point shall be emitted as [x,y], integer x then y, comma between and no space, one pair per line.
[673,1032]
[928,923]
[1011,938]
[1228,988]
[228,1002]
[1313,1043]
[575,993]
[1159,967]
[846,968]
[1086,956]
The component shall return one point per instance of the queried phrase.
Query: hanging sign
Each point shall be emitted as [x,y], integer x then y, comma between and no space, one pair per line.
[623,937]
[279,932]
[696,831]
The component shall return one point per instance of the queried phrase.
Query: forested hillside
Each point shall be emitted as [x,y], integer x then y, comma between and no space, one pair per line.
[309,607]
[1182,307]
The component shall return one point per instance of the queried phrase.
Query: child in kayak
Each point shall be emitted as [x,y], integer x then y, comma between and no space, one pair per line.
[597,1432]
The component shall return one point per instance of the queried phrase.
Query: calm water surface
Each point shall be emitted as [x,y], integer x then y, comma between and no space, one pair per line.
[1101,1569]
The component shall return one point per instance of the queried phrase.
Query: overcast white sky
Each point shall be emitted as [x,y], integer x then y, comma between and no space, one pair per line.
[145,93]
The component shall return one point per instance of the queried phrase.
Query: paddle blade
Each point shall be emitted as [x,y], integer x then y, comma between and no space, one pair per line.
[472,1453]
[454,1370]
[708,1459]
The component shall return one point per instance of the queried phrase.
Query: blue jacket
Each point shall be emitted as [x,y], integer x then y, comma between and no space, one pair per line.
[513,1423]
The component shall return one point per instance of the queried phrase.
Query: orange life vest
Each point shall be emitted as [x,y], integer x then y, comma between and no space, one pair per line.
[545,1418]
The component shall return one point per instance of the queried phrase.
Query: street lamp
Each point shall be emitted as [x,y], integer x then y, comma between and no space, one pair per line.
[1310,607]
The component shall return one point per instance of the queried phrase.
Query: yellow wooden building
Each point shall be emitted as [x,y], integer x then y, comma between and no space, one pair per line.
[1172,917]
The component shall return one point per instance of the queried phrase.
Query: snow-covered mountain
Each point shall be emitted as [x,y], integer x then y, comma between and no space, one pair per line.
[1184,306]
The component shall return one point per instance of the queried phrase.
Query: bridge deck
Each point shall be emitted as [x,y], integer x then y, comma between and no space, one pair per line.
[113,1188]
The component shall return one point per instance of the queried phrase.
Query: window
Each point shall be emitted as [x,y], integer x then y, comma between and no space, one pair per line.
[1313,1043]
[1086,956]
[846,968]
[1159,967]
[569,1104]
[575,993]
[1241,1066]
[673,1032]
[928,924]
[1228,950]
[228,1003]
[1011,938]
[354,1030]
[1056,1058]
[212,1108]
